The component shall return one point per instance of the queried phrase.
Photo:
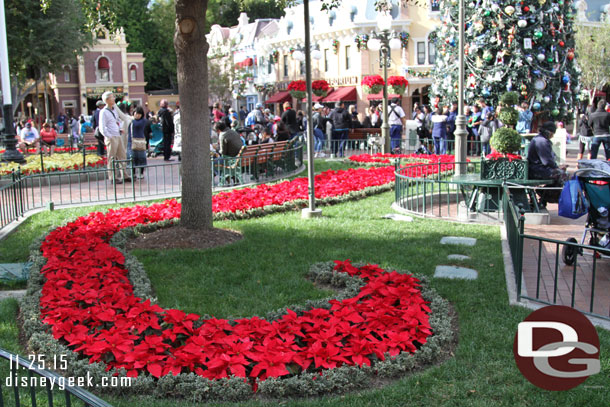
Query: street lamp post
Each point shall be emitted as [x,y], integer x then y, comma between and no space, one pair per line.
[385,40]
[29,104]
[10,139]
[460,120]
[311,211]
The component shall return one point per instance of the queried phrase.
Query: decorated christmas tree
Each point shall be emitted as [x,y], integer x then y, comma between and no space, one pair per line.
[526,46]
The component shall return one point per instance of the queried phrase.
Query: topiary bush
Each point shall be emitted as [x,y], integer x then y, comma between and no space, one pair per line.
[506,140]
[508,114]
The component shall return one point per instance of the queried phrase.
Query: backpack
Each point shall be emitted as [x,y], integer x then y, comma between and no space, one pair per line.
[572,202]
[250,119]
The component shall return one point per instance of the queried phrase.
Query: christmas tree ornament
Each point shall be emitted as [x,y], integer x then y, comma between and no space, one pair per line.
[509,10]
[522,23]
[527,43]
[509,85]
[539,84]
[495,7]
[536,106]
[526,9]
[565,79]
[541,2]
[500,57]
[529,58]
[486,92]
[555,112]
[550,59]
[472,81]
[546,99]
[561,43]
[570,55]
[540,57]
[538,35]
[487,56]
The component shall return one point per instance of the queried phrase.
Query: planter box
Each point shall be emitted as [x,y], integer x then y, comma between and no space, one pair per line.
[503,169]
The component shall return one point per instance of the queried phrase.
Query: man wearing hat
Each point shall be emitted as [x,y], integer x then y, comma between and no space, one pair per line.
[542,164]
[29,138]
[95,122]
[110,126]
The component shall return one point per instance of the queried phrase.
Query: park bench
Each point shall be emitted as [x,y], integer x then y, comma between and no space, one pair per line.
[252,160]
[89,140]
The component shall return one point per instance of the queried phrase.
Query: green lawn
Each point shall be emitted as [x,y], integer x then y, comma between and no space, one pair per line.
[266,271]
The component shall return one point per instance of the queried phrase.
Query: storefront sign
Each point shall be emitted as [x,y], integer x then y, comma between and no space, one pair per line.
[99,90]
[344,80]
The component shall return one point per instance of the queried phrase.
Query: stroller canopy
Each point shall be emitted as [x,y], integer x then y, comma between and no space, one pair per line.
[594,168]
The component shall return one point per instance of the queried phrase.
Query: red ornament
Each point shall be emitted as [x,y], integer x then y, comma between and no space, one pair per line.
[526,9]
[571,55]
[561,43]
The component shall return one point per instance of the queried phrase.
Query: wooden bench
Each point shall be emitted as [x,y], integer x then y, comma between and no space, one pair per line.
[89,140]
[253,160]
[359,134]
[63,141]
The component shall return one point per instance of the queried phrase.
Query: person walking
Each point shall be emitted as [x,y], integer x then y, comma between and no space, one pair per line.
[289,117]
[138,141]
[166,120]
[585,137]
[95,123]
[396,120]
[341,120]
[439,132]
[319,127]
[111,128]
[600,124]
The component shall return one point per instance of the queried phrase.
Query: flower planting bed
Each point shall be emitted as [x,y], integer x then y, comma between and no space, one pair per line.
[57,162]
[380,159]
[91,301]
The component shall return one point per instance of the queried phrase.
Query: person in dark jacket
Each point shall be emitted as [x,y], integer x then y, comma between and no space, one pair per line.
[342,122]
[585,136]
[600,124]
[167,125]
[95,122]
[229,141]
[289,117]
[542,164]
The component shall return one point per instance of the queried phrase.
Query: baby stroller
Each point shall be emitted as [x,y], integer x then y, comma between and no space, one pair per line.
[594,177]
[155,144]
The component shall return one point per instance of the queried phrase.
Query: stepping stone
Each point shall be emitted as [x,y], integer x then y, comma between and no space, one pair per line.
[453,272]
[464,241]
[14,271]
[459,257]
[12,294]
[398,217]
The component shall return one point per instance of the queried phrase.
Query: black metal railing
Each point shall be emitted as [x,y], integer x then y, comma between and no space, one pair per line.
[434,190]
[575,284]
[40,387]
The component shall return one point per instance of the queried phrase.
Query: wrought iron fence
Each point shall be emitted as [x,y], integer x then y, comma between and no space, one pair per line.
[40,387]
[21,194]
[434,190]
[576,284]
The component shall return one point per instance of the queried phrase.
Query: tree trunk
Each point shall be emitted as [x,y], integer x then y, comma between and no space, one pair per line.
[192,68]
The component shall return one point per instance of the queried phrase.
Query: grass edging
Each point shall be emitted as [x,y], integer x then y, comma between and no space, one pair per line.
[191,386]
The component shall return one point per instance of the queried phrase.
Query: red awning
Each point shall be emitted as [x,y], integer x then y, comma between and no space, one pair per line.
[245,63]
[379,96]
[344,94]
[280,97]
[319,98]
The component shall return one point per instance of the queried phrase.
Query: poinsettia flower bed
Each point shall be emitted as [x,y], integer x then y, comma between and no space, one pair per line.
[494,155]
[380,159]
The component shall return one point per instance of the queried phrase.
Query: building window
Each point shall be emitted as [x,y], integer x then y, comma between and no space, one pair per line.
[133,73]
[435,5]
[421,53]
[302,67]
[66,76]
[347,56]
[285,65]
[269,66]
[103,70]
[325,60]
[431,52]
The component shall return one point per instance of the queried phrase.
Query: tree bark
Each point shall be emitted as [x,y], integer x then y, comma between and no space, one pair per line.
[192,69]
